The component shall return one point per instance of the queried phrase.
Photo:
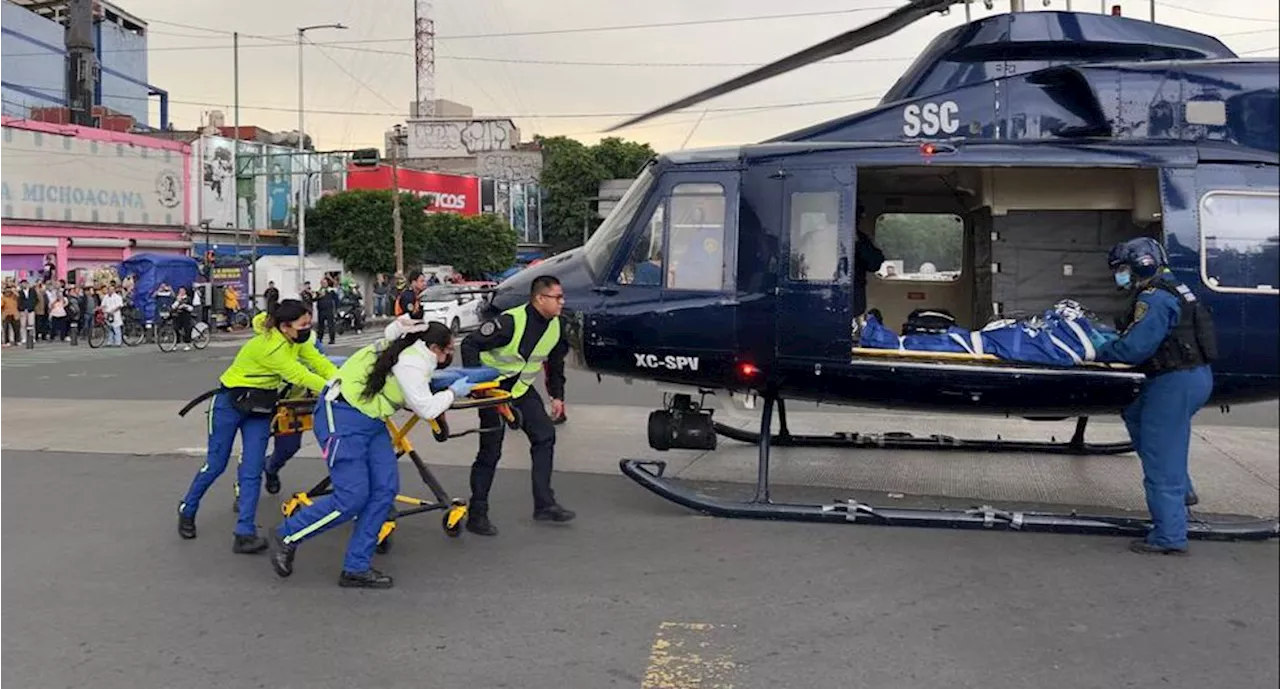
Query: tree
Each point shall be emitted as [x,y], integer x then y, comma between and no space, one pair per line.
[355,227]
[475,246]
[571,174]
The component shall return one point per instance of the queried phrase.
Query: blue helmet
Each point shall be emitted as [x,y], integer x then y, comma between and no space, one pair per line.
[1144,257]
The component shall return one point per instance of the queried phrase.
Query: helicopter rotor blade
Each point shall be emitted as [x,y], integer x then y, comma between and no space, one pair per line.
[890,23]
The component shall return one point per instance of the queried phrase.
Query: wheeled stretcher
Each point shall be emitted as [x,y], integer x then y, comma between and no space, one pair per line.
[296,416]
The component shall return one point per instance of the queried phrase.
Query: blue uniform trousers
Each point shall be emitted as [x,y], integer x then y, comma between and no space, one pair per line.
[255,430]
[365,476]
[283,448]
[1159,423]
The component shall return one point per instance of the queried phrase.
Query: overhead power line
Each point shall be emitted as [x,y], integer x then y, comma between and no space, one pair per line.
[1206,13]
[555,115]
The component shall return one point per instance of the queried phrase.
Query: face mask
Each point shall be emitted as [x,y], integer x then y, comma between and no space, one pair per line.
[448,361]
[1122,278]
[302,335]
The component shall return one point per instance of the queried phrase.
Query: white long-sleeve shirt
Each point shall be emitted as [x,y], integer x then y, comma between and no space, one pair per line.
[413,372]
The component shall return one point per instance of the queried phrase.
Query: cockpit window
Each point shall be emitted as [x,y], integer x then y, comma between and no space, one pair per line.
[602,245]
[696,243]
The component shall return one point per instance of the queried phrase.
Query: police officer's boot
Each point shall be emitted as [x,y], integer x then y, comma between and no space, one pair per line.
[372,579]
[1192,499]
[479,524]
[272,482]
[248,545]
[281,554]
[554,513]
[1141,547]
[186,526]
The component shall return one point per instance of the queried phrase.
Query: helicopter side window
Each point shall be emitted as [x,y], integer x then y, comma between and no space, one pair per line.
[1241,247]
[920,246]
[645,264]
[695,243]
[815,236]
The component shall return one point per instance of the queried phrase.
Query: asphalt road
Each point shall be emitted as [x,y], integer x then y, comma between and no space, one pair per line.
[99,591]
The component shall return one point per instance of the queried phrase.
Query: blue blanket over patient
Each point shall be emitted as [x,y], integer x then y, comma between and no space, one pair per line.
[1061,336]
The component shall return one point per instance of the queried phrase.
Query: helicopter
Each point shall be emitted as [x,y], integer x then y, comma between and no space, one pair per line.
[1012,153]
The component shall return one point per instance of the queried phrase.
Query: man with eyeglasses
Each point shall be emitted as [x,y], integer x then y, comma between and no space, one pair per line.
[517,344]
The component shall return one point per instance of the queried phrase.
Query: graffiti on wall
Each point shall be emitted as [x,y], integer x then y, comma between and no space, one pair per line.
[512,166]
[460,138]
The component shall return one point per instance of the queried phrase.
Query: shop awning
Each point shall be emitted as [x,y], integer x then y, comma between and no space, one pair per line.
[161,244]
[98,243]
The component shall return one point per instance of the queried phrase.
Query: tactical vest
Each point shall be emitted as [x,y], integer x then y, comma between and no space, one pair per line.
[354,377]
[507,359]
[1191,343]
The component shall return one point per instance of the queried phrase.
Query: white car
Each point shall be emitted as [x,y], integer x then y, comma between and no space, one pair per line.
[452,305]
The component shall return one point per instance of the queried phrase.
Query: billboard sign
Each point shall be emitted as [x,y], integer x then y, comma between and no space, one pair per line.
[450,193]
[49,176]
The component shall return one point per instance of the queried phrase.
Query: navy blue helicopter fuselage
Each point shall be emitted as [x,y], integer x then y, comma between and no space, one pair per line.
[1189,114]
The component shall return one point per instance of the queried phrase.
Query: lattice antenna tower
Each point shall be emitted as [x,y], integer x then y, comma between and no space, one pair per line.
[424,58]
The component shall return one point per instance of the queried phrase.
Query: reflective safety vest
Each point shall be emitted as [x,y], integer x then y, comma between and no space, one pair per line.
[353,376]
[507,359]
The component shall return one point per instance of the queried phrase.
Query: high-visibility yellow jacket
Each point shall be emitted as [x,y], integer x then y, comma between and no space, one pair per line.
[269,359]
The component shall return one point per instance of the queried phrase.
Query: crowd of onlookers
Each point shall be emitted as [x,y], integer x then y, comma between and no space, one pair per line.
[46,310]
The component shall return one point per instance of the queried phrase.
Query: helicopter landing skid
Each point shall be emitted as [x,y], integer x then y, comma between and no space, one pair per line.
[649,474]
[907,441]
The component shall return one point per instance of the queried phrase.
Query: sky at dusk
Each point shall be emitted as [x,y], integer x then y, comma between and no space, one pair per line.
[572,83]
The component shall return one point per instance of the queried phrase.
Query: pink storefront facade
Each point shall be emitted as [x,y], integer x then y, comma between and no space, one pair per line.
[89,197]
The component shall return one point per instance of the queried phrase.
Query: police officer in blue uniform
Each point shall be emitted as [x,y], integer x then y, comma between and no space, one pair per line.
[1168,334]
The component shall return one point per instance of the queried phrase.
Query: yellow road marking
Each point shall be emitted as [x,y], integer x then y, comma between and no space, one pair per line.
[684,656]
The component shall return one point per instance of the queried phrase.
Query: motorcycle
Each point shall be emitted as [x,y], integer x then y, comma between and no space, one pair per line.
[350,317]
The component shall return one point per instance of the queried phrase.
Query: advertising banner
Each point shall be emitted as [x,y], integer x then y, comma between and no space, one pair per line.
[450,193]
[251,187]
[281,194]
[54,177]
[217,182]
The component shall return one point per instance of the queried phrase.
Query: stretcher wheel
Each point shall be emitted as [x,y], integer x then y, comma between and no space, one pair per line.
[453,518]
[384,546]
[442,434]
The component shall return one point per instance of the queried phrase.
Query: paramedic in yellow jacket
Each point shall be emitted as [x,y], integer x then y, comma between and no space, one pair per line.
[244,404]
[351,427]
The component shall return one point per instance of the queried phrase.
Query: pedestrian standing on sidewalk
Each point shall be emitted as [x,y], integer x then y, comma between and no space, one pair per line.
[11,322]
[113,309]
[26,310]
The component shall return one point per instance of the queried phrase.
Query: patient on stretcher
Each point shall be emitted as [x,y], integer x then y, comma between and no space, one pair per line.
[1065,335]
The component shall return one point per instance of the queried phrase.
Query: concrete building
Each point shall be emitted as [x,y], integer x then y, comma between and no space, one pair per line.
[455,142]
[35,67]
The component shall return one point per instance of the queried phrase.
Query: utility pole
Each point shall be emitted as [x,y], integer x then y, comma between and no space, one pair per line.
[302,139]
[396,224]
[82,64]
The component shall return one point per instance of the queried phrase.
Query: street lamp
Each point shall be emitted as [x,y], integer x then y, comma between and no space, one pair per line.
[302,203]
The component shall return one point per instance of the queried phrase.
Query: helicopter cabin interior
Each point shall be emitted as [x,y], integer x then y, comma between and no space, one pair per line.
[991,243]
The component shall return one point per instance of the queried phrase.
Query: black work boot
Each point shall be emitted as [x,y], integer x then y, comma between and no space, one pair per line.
[554,513]
[479,524]
[1141,547]
[248,545]
[186,526]
[372,579]
[273,483]
[281,553]
[1192,498]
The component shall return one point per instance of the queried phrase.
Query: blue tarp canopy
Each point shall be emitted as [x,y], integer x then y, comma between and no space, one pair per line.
[149,270]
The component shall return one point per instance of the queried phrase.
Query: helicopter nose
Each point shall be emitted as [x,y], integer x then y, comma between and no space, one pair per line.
[569,269]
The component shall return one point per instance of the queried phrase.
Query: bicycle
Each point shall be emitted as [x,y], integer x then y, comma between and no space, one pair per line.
[133,331]
[167,333]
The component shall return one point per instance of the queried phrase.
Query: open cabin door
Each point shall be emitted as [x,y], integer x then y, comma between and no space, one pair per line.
[814,299]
